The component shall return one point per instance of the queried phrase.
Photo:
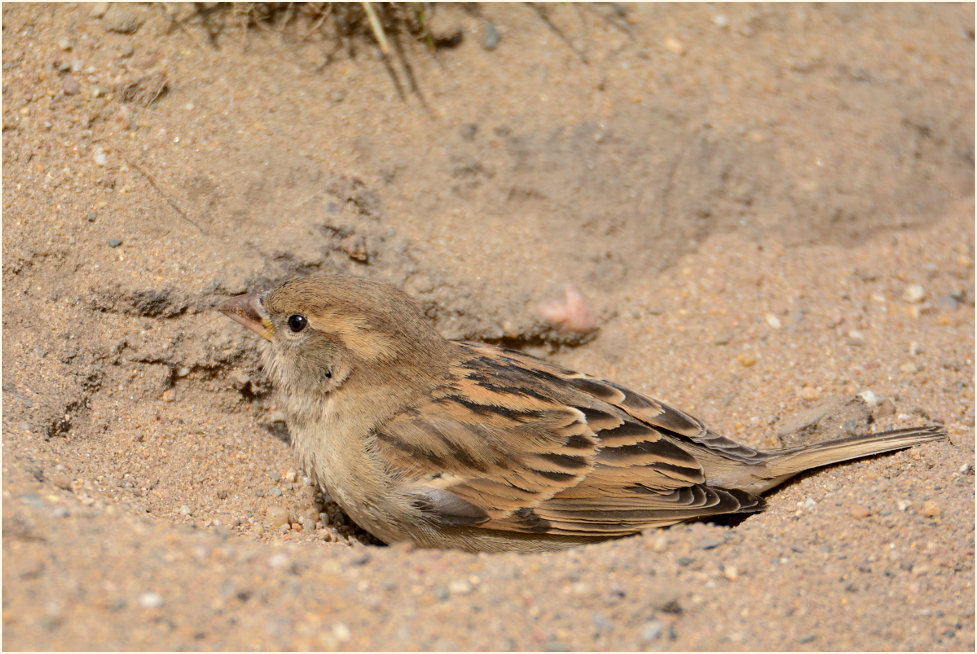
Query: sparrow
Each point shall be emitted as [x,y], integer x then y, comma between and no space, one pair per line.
[452,444]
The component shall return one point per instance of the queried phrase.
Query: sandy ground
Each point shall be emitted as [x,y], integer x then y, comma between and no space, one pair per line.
[769,208]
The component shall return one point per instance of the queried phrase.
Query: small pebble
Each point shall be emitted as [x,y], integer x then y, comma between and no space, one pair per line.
[674,46]
[61,480]
[720,21]
[240,380]
[806,638]
[965,468]
[859,511]
[278,561]
[903,505]
[914,294]
[571,314]
[746,359]
[721,339]
[492,37]
[856,337]
[122,18]
[289,476]
[355,247]
[150,600]
[909,368]
[276,516]
[880,405]
[685,561]
[60,512]
[98,9]
[809,393]
[773,321]
[99,156]
[731,572]
[931,509]
[579,589]
[915,348]
[667,604]
[275,492]
[362,558]
[341,632]
[947,302]
[92,216]
[185,510]
[114,242]
[459,587]
[70,85]
[659,543]
[709,543]
[652,631]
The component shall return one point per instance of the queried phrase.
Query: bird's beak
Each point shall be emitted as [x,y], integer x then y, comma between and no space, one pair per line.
[247,310]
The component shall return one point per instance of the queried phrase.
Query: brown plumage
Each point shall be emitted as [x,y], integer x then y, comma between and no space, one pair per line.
[454,444]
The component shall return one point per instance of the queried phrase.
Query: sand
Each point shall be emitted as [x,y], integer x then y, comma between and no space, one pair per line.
[769,210]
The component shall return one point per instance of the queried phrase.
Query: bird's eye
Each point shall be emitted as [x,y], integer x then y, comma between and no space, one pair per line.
[296,322]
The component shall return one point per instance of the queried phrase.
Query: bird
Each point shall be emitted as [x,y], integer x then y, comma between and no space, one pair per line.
[465,445]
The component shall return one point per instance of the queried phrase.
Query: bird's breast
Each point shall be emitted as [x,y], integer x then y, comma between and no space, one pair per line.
[331,444]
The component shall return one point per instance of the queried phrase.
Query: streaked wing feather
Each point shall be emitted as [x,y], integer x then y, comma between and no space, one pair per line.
[517,444]
[649,411]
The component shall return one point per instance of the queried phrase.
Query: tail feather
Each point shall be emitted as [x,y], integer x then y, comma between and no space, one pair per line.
[786,463]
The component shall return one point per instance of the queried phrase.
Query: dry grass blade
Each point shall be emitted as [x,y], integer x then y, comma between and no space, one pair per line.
[377,28]
[323,14]
[422,18]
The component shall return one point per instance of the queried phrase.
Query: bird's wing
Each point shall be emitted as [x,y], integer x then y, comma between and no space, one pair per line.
[517,444]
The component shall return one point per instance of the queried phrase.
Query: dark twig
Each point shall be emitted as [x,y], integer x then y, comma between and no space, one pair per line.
[543,13]
[170,201]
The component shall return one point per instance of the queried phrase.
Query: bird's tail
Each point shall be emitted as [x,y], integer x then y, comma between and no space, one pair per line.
[783,464]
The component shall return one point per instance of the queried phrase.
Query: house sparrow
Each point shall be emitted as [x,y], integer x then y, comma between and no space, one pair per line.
[465,445]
